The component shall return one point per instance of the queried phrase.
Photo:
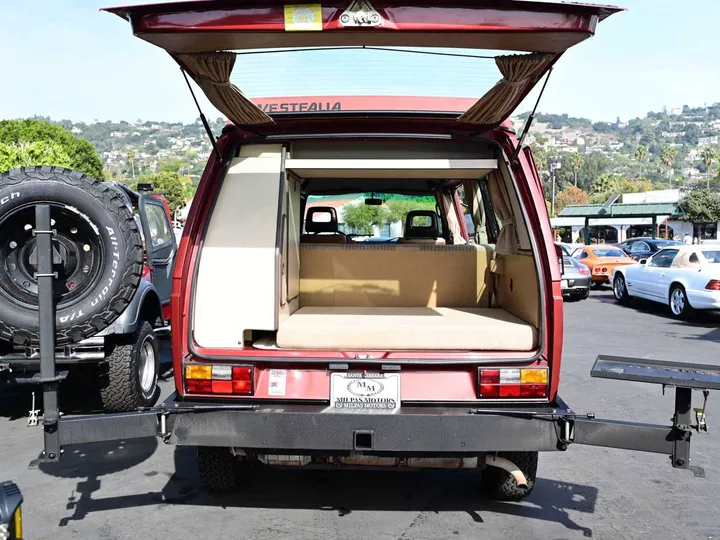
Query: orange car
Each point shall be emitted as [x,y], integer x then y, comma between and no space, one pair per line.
[601,259]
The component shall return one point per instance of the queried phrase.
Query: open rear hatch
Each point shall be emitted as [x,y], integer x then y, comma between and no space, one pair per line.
[199,34]
[317,312]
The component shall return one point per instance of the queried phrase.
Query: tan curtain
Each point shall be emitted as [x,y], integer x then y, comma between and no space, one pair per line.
[475,209]
[211,71]
[508,240]
[447,204]
[520,73]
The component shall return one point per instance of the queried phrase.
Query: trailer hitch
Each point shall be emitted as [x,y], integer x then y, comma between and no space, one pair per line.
[673,440]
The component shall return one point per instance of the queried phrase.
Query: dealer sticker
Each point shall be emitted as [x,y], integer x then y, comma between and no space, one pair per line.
[303,18]
[277,383]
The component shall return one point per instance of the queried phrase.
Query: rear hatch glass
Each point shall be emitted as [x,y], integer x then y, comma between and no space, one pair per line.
[242,50]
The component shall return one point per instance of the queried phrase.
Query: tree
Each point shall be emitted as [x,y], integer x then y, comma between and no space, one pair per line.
[641,156]
[170,184]
[707,156]
[570,195]
[25,154]
[82,155]
[362,217]
[398,209]
[131,159]
[701,206]
[606,184]
[635,185]
[577,162]
[667,156]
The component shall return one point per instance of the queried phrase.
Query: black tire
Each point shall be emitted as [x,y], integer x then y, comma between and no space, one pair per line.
[620,291]
[122,385]
[501,486]
[680,307]
[217,468]
[98,246]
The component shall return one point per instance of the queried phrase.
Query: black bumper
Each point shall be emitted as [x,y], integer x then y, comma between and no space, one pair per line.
[314,428]
[412,431]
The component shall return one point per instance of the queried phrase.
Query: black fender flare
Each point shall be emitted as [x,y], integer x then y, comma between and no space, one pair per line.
[145,301]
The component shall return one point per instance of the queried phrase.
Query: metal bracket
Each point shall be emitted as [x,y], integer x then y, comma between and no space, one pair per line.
[51,232]
[33,416]
[59,376]
[360,14]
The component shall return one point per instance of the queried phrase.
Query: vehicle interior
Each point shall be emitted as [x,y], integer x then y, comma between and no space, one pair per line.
[446,264]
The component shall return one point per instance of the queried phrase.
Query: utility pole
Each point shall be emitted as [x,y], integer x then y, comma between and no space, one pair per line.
[554,165]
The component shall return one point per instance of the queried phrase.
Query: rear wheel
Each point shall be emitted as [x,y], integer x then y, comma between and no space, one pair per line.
[679,305]
[501,486]
[620,290]
[217,468]
[131,377]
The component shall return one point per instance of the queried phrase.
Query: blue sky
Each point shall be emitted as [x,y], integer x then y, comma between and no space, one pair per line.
[66,59]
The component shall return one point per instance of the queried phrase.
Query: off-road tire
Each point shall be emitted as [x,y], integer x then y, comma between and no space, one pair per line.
[110,287]
[501,486]
[217,468]
[120,377]
[620,291]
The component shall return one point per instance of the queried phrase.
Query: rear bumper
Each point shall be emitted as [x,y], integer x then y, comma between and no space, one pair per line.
[412,431]
[317,429]
[575,285]
[704,299]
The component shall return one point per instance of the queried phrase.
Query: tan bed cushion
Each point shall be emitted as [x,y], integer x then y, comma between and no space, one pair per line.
[394,328]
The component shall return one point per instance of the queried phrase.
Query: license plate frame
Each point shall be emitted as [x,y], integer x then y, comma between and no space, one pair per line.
[360,392]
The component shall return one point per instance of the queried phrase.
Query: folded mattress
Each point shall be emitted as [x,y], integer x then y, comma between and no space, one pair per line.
[412,328]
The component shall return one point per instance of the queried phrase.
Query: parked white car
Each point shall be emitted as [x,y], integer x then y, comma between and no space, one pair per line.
[685,278]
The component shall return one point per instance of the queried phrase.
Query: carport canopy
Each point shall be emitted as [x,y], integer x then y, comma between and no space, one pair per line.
[628,211]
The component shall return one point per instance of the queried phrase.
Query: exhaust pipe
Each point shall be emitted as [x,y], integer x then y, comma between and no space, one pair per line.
[509,466]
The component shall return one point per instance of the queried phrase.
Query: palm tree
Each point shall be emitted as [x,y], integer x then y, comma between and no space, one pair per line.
[640,156]
[668,159]
[708,155]
[577,161]
[131,159]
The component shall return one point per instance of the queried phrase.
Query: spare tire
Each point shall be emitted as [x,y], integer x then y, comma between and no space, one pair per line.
[97,253]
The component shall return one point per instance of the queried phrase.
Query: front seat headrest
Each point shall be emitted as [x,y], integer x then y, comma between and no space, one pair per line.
[327,222]
[426,226]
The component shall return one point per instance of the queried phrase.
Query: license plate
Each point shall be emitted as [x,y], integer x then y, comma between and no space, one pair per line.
[565,284]
[366,392]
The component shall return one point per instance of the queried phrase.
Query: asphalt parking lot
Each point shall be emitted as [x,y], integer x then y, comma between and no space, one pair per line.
[147,490]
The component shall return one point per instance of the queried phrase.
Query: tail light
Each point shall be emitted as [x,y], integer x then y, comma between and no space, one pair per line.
[597,270]
[219,379]
[604,269]
[512,383]
[584,271]
[713,285]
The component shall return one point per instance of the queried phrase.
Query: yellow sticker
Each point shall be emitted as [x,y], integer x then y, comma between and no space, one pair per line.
[303,18]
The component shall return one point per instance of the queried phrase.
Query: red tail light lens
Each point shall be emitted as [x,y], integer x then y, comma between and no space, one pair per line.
[584,271]
[508,383]
[713,285]
[195,386]
[218,379]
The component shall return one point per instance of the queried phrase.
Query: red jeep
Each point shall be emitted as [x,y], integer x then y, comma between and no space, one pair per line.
[300,339]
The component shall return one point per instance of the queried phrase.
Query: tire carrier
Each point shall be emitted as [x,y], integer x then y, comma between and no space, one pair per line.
[566,426]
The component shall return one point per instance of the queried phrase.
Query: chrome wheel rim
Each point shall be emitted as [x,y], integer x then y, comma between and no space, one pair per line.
[619,287]
[146,367]
[677,302]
